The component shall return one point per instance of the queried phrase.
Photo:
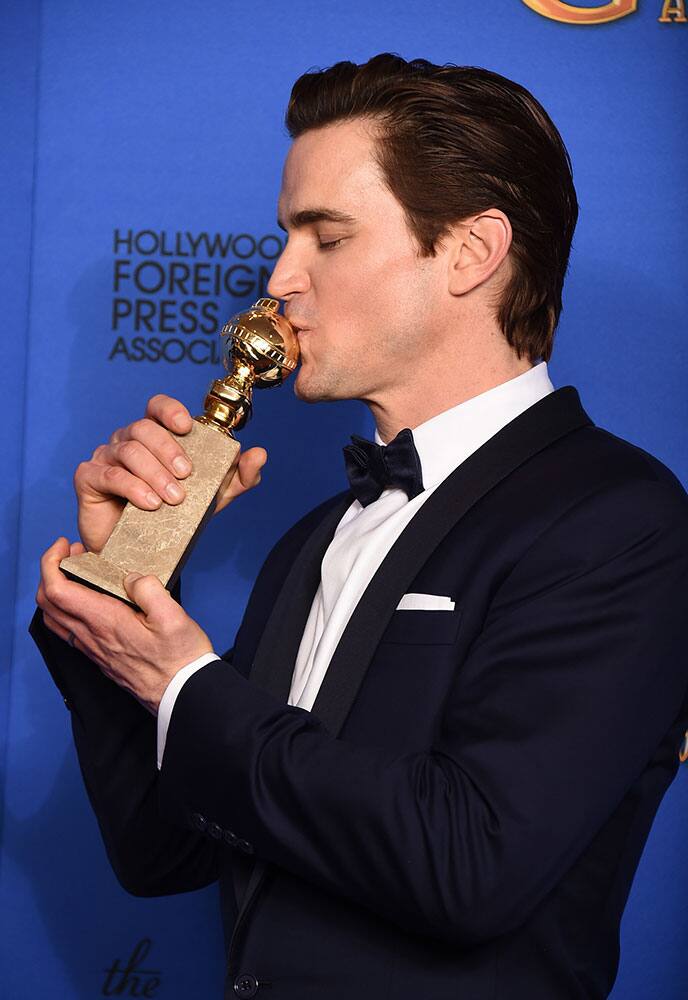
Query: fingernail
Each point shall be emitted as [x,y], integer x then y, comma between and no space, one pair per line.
[180,421]
[132,577]
[153,499]
[181,466]
[174,491]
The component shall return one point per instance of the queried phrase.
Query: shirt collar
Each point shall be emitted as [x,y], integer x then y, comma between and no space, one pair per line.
[447,439]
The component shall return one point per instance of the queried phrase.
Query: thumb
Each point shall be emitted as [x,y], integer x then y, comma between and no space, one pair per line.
[247,476]
[59,549]
[147,592]
[250,464]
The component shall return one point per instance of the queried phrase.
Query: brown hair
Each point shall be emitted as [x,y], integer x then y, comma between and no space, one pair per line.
[454,141]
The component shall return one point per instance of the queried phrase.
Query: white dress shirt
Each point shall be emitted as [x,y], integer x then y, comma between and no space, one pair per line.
[365,535]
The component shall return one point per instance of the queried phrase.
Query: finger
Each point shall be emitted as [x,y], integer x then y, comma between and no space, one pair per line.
[135,458]
[54,625]
[160,443]
[114,438]
[101,452]
[76,549]
[51,559]
[54,587]
[148,593]
[74,640]
[65,621]
[96,482]
[65,599]
[170,413]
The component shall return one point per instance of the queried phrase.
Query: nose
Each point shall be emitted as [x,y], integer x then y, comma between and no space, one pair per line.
[290,276]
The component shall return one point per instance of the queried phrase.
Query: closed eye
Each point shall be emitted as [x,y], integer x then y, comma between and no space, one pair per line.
[331,244]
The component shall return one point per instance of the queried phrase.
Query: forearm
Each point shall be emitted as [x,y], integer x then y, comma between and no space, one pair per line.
[377,828]
[115,739]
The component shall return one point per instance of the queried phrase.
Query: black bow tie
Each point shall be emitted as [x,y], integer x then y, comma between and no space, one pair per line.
[372,468]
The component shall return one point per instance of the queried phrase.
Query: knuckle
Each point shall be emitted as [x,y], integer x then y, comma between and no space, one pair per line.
[97,630]
[128,450]
[139,427]
[113,473]
[165,480]
[81,473]
[155,403]
[170,451]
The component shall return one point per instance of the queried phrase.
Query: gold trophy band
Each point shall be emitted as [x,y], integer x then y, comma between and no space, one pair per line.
[260,350]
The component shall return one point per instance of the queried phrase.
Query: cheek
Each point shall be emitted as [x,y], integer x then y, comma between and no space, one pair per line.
[400,288]
[375,279]
[373,297]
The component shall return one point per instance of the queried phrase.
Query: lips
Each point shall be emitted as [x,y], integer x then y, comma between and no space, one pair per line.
[300,327]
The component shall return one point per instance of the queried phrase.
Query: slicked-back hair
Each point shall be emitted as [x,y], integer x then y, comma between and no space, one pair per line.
[453,142]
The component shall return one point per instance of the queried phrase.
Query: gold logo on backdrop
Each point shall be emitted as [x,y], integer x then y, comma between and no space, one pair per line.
[558,10]
[673,11]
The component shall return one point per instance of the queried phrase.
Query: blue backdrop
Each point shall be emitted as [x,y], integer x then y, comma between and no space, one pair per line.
[142,148]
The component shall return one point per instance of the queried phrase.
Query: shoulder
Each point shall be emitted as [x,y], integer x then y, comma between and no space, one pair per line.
[608,502]
[616,459]
[583,501]
[593,468]
[624,480]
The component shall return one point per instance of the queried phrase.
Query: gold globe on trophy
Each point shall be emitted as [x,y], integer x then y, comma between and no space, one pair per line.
[260,350]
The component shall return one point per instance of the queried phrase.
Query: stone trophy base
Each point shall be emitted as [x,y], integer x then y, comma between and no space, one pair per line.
[158,542]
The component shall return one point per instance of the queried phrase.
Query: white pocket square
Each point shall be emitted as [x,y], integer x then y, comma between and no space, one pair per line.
[425,602]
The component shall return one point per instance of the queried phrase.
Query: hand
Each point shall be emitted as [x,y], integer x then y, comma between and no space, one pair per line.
[144,463]
[139,650]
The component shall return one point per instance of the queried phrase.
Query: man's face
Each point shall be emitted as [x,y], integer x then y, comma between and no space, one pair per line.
[355,284]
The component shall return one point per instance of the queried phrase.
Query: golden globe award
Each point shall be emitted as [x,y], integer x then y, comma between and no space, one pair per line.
[260,350]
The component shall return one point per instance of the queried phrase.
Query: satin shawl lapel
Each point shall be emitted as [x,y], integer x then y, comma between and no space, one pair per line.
[275,656]
[550,418]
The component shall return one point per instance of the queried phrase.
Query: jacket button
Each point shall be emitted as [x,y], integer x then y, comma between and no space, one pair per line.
[215,831]
[245,985]
[230,838]
[200,822]
[244,846]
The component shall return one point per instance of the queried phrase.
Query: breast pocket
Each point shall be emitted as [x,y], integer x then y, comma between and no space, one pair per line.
[423,628]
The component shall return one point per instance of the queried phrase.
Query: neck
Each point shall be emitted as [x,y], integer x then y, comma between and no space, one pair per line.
[411,404]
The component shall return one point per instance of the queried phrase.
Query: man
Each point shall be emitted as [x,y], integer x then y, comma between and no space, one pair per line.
[430,762]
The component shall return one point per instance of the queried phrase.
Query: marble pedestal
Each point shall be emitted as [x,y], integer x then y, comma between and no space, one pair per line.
[159,542]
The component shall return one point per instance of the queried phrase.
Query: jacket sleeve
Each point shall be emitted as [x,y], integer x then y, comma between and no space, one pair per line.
[115,739]
[576,678]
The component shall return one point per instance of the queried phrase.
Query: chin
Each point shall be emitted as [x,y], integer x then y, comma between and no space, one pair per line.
[308,393]
[313,389]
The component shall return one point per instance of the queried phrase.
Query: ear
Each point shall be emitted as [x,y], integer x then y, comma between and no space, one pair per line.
[477,248]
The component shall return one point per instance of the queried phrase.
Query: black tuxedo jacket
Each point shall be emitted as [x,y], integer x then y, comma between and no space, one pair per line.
[462,812]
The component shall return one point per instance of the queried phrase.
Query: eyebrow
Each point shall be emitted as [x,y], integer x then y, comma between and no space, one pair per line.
[310,215]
